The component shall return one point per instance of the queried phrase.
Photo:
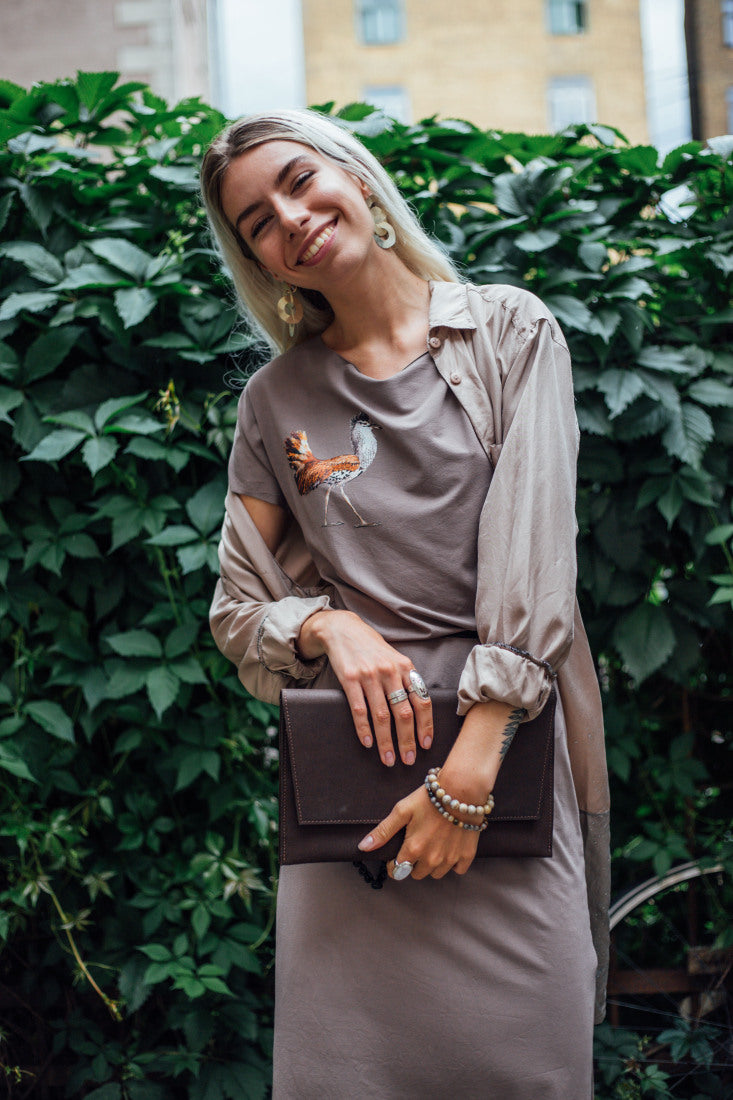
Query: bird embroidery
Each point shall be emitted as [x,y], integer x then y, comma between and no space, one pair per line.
[310,472]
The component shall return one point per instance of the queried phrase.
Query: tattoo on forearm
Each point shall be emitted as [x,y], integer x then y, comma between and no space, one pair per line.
[510,729]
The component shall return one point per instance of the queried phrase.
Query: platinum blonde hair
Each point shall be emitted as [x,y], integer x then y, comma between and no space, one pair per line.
[257,291]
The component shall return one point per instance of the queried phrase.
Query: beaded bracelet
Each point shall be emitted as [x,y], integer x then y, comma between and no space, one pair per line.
[433,784]
[438,798]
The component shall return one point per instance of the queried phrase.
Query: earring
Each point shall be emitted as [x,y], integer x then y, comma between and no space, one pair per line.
[384,233]
[290,308]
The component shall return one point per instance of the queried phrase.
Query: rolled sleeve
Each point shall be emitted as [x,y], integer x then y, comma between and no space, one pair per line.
[527,562]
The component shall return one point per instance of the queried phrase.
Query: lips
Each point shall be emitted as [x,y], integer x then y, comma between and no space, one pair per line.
[322,238]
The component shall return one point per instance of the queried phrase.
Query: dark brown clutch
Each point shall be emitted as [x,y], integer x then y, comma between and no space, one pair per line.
[333,790]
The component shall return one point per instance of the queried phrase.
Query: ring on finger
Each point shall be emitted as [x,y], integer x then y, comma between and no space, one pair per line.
[398,696]
[402,870]
[418,685]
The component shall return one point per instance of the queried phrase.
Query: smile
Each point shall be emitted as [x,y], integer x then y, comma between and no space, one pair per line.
[315,246]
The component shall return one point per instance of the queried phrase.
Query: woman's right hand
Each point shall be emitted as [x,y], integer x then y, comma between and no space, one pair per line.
[369,669]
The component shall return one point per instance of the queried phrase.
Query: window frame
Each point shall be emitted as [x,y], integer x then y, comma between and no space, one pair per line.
[558,19]
[726,23]
[376,9]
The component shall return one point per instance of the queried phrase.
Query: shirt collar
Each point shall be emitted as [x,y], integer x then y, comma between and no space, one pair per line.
[449,306]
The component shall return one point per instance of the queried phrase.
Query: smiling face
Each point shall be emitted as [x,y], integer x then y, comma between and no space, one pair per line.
[305,219]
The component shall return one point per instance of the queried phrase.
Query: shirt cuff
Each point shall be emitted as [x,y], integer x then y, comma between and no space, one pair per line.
[278,632]
[502,673]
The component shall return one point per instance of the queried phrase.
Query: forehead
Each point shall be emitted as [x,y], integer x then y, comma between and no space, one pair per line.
[258,167]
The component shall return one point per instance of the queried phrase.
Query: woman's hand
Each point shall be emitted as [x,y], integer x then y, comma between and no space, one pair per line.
[369,669]
[432,843]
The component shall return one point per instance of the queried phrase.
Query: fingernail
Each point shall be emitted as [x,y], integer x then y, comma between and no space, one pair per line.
[367,742]
[365,844]
[410,757]
[389,759]
[427,742]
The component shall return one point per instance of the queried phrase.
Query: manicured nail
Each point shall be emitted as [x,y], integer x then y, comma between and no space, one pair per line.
[389,759]
[365,844]
[367,742]
[427,742]
[410,757]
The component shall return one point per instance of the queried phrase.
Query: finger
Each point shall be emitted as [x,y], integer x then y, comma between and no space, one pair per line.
[382,722]
[423,713]
[359,713]
[394,821]
[404,721]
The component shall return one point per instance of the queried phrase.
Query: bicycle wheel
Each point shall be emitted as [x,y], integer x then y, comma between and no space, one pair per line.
[670,993]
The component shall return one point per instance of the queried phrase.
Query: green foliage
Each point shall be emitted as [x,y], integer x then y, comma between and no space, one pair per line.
[137,779]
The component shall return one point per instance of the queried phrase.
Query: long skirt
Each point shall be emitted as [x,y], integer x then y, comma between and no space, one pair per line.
[476,986]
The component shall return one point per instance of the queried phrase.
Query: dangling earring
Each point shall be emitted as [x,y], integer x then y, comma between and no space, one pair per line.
[384,233]
[290,308]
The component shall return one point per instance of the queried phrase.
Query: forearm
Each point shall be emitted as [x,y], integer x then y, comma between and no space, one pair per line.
[471,767]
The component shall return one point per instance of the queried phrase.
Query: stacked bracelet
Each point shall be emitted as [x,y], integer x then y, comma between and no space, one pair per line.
[444,804]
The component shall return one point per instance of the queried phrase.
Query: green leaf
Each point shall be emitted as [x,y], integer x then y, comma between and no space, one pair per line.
[41,263]
[52,718]
[55,446]
[135,643]
[134,305]
[645,639]
[11,762]
[206,508]
[176,535]
[98,452]
[48,351]
[163,687]
[32,301]
[570,311]
[122,254]
[109,409]
[156,951]
[620,388]
[688,434]
[708,391]
[88,276]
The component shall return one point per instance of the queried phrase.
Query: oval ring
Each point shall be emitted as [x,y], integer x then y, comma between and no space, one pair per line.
[418,685]
[402,870]
[398,696]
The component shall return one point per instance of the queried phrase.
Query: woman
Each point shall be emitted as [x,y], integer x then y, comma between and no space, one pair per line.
[401,509]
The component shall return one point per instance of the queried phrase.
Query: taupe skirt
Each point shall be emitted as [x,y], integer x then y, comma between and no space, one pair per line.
[476,985]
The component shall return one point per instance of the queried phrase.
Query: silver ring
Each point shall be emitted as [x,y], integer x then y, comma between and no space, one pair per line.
[402,870]
[418,685]
[397,696]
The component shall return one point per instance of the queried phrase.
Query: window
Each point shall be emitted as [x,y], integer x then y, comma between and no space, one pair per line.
[570,99]
[390,98]
[729,107]
[567,16]
[726,9]
[380,22]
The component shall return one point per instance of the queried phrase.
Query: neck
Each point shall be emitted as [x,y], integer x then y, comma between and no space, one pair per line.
[384,301]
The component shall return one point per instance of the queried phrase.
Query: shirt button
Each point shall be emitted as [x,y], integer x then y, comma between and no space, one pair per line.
[455,378]
[434,341]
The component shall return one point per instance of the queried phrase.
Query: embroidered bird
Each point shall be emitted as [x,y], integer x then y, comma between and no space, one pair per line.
[310,472]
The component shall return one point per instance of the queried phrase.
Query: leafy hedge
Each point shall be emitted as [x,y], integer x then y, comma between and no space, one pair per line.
[137,778]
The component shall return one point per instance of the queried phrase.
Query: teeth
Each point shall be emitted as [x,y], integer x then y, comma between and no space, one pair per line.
[317,245]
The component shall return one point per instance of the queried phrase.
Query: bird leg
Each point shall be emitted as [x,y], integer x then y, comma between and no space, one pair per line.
[362,522]
[339,522]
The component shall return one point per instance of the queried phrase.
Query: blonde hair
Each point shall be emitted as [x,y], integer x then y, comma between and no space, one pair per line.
[257,290]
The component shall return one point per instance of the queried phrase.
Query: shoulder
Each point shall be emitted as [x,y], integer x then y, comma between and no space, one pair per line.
[512,309]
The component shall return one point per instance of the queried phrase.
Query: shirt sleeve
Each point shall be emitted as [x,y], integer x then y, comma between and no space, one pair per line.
[250,471]
[526,553]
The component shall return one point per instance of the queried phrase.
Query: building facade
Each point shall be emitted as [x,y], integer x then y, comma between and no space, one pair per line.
[531,65]
[709,32]
[163,43]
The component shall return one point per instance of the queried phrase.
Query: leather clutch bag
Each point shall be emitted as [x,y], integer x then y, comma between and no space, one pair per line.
[333,790]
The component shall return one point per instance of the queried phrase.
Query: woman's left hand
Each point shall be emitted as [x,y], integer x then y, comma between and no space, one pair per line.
[431,843]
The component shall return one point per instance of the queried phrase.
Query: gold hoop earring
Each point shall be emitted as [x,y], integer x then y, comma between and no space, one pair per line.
[384,233]
[290,308]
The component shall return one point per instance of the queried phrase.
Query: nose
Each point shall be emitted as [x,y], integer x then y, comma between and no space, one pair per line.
[292,214]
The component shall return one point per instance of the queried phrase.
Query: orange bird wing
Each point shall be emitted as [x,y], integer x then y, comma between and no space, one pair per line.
[317,470]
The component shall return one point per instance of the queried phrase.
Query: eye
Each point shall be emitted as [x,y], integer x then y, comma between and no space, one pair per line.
[302,178]
[258,226]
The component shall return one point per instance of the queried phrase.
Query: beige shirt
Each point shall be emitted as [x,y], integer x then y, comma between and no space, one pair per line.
[506,360]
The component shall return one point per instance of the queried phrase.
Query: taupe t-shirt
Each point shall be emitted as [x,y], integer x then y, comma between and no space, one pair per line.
[385,478]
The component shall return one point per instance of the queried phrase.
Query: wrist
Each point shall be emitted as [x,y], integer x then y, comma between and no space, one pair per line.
[311,640]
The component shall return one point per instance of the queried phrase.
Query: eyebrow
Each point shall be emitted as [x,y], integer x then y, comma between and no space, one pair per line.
[279,180]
